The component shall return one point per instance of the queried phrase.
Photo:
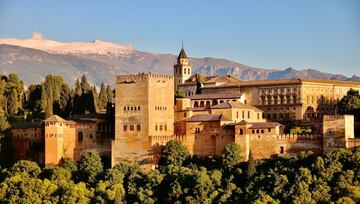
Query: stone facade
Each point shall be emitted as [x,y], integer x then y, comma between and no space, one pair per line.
[56,138]
[144,107]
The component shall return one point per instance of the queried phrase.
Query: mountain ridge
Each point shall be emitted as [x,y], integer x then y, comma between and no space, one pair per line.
[102,61]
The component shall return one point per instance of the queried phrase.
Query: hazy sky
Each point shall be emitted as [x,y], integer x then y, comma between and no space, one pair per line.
[319,34]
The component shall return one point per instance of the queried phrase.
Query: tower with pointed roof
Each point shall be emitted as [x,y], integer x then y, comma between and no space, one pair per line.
[182,69]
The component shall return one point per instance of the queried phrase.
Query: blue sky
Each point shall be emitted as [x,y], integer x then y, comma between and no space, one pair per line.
[321,34]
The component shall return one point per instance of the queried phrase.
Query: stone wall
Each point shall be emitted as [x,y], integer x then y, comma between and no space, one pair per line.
[144,106]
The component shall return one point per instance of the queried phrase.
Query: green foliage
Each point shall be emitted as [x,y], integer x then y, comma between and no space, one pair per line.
[174,153]
[231,155]
[350,104]
[24,167]
[305,178]
[180,94]
[12,102]
[299,130]
[251,168]
[102,99]
[109,93]
[89,166]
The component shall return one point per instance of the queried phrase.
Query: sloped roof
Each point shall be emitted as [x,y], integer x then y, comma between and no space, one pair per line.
[222,79]
[55,118]
[265,125]
[215,96]
[208,118]
[182,54]
[233,104]
[259,125]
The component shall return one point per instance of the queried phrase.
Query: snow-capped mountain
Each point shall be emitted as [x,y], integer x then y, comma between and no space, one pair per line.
[32,59]
[76,48]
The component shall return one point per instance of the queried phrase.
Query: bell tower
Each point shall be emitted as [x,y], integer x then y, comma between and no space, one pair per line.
[182,69]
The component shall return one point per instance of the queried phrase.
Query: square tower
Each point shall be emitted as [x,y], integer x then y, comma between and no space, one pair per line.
[144,107]
[337,130]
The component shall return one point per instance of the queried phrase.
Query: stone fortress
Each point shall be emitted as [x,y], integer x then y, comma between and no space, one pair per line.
[214,111]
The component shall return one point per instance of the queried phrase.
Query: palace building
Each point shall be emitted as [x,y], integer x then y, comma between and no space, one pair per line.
[214,111]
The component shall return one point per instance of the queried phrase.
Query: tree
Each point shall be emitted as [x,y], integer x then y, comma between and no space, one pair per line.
[102,100]
[89,166]
[26,168]
[231,155]
[350,104]
[49,109]
[13,103]
[174,153]
[251,168]
[109,93]
[34,99]
[85,86]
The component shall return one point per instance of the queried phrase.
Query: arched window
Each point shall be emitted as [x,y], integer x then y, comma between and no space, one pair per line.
[202,104]
[196,104]
[80,137]
[241,131]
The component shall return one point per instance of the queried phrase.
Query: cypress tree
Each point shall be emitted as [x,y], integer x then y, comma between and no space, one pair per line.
[12,102]
[85,86]
[251,168]
[102,99]
[109,93]
[49,109]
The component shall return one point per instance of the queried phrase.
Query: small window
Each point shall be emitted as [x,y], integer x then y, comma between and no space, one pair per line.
[138,127]
[269,129]
[262,131]
[184,115]
[165,127]
[131,127]
[241,131]
[249,114]
[124,108]
[282,151]
[156,127]
[161,127]
[125,127]
[253,131]
[91,135]
[258,116]
[80,137]
[138,107]
[257,131]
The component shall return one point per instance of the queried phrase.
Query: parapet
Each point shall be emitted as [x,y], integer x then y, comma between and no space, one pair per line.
[163,139]
[283,137]
[128,78]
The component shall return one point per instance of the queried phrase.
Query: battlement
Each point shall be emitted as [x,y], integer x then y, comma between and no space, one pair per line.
[163,139]
[286,137]
[336,117]
[129,78]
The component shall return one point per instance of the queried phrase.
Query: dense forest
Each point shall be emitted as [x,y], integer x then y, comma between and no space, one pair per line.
[179,178]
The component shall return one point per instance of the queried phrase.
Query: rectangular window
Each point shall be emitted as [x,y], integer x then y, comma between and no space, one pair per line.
[131,127]
[253,131]
[184,115]
[165,127]
[156,127]
[258,116]
[262,131]
[237,114]
[243,114]
[138,128]
[161,127]
[257,131]
[125,127]
[249,114]
[269,129]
